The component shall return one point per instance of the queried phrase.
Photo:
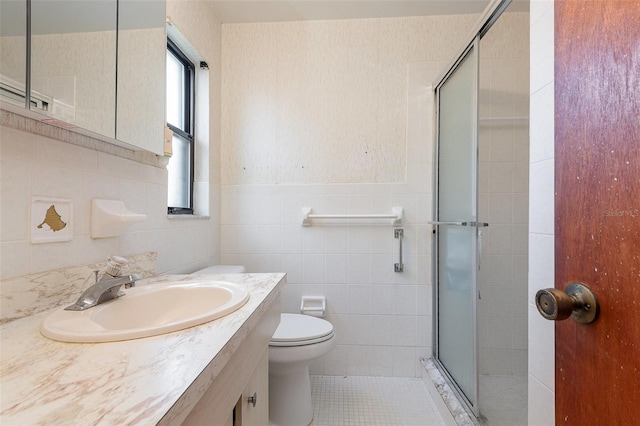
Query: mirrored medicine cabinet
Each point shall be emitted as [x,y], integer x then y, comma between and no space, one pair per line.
[13,52]
[96,67]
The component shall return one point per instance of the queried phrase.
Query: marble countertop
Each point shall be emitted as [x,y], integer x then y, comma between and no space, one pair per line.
[135,382]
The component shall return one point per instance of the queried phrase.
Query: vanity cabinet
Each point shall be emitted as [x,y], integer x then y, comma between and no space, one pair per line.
[245,374]
[95,67]
[211,411]
[252,408]
[194,376]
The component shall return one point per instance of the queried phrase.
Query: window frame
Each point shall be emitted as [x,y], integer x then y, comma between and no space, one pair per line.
[189,113]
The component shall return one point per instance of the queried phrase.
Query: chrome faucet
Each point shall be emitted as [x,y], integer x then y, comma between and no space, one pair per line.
[108,287]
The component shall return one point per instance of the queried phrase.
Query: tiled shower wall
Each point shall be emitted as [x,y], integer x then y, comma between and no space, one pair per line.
[504,196]
[382,318]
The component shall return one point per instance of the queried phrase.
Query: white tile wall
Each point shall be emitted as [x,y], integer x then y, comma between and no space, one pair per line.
[32,164]
[381,330]
[382,318]
[541,234]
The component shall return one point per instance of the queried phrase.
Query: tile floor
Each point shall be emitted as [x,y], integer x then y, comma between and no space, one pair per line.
[372,401]
[389,401]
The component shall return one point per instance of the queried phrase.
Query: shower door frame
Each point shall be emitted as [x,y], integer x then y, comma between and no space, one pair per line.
[471,405]
[491,14]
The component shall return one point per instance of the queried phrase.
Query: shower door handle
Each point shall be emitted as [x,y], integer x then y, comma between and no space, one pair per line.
[476,224]
[473,224]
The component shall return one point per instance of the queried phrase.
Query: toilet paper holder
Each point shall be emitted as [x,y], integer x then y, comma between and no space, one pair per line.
[313,305]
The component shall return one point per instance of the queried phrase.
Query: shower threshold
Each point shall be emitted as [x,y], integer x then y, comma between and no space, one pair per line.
[446,400]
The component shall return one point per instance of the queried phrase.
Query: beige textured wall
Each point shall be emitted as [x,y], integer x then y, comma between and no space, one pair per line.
[324,101]
[13,57]
[197,21]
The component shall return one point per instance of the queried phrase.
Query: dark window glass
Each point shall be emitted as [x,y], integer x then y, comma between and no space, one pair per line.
[179,114]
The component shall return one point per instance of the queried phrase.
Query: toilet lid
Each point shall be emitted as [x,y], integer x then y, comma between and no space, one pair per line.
[297,329]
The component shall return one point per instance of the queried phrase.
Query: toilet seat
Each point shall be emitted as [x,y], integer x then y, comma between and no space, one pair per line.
[300,330]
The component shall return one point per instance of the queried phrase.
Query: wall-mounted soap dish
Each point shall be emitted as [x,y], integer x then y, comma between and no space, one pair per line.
[109,218]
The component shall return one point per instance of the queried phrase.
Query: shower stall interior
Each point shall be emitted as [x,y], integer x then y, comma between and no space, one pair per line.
[480,219]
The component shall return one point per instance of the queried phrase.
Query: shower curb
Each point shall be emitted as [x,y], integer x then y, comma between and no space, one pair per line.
[450,408]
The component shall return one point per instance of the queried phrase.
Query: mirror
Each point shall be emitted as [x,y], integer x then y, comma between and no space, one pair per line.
[75,48]
[73,62]
[142,46]
[13,51]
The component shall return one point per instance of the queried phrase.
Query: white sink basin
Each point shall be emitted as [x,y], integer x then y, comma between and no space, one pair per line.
[147,310]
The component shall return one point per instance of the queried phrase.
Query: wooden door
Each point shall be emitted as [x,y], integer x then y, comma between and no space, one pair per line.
[597,152]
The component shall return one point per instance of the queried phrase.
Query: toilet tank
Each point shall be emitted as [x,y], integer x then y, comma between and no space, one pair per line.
[221,269]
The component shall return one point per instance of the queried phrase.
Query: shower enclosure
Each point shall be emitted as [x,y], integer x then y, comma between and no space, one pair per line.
[457,226]
[480,218]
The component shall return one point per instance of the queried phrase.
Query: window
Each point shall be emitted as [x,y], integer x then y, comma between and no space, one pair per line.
[179,114]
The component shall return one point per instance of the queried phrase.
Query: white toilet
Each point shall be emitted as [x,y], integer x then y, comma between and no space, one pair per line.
[298,341]
[221,269]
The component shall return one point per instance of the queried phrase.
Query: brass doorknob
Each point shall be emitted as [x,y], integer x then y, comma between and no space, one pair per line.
[576,301]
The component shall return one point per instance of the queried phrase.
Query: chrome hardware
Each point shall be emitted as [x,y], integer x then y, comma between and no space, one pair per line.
[108,287]
[253,399]
[576,301]
[479,255]
[476,224]
[472,224]
[399,233]
[116,265]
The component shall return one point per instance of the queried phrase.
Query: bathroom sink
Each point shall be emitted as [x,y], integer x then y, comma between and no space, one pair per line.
[147,310]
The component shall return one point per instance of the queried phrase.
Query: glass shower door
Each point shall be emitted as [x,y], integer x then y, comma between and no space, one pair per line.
[456,226]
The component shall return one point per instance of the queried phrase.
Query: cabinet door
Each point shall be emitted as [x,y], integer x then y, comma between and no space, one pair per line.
[73,63]
[258,386]
[142,49]
[13,52]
